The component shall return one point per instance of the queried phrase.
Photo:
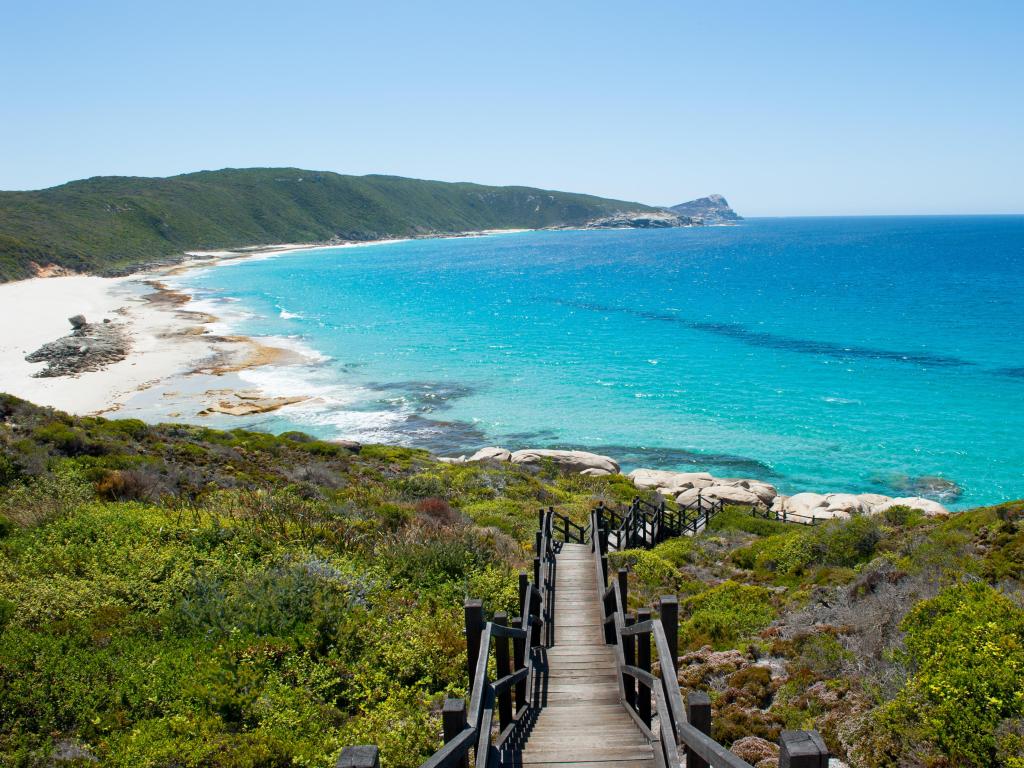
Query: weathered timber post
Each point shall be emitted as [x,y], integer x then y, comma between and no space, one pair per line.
[802,749]
[670,621]
[538,539]
[524,593]
[624,588]
[366,756]
[643,661]
[540,523]
[604,570]
[503,662]
[629,656]
[474,610]
[453,722]
[608,599]
[536,572]
[518,662]
[698,713]
[534,599]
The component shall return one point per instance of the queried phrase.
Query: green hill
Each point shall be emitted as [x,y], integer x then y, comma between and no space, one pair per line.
[116,223]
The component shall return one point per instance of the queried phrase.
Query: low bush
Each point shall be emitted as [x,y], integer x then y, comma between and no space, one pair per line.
[965,651]
[724,615]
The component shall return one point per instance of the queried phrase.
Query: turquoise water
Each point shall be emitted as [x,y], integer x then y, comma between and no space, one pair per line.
[836,354]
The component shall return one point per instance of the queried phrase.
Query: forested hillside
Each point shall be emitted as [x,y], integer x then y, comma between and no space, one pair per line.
[107,224]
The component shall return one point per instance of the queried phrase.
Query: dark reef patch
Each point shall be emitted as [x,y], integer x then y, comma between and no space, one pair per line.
[425,396]
[929,486]
[444,438]
[775,341]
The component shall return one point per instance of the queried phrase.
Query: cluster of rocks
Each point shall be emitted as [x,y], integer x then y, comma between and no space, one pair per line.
[844,505]
[686,487]
[582,462]
[89,347]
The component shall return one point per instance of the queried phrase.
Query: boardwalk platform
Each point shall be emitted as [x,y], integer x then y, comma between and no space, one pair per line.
[581,721]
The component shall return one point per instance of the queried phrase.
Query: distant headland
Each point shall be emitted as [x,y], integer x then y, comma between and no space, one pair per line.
[713,209]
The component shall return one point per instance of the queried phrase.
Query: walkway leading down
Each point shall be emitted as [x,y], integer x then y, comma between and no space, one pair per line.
[582,722]
[578,679]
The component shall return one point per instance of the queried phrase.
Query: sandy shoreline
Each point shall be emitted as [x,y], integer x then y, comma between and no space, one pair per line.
[168,338]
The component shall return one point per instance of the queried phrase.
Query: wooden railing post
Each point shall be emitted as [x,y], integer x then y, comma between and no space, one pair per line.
[629,657]
[802,749]
[503,662]
[604,570]
[367,756]
[536,573]
[535,612]
[624,588]
[643,661]
[474,610]
[698,714]
[670,621]
[524,593]
[453,722]
[518,662]
[538,539]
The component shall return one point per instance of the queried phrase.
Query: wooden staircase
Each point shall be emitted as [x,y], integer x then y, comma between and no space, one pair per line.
[582,721]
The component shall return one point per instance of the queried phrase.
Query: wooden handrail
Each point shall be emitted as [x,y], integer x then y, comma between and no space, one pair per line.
[674,729]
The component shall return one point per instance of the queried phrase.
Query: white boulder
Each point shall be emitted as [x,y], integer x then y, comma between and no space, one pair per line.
[669,483]
[491,453]
[571,461]
[845,502]
[872,501]
[730,494]
[595,472]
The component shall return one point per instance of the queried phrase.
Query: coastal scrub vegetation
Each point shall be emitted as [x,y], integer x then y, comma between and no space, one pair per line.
[115,224]
[172,595]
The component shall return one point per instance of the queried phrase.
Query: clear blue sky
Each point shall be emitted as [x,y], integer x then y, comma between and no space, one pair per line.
[784,107]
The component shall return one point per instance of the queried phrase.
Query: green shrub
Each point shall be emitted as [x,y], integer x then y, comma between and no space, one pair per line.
[838,543]
[725,614]
[965,648]
[678,551]
[740,519]
[651,575]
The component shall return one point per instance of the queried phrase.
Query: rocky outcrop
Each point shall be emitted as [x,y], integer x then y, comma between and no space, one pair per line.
[583,462]
[713,209]
[641,220]
[89,347]
[247,404]
[828,506]
[570,461]
[685,487]
[491,453]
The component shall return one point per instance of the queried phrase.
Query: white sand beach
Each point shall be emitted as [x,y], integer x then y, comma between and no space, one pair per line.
[164,339]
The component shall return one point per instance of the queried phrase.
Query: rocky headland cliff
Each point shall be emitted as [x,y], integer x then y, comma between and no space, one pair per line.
[713,209]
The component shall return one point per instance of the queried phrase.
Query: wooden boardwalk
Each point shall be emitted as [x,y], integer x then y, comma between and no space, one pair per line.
[582,721]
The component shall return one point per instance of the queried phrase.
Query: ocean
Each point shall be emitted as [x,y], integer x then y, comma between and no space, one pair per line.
[824,354]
